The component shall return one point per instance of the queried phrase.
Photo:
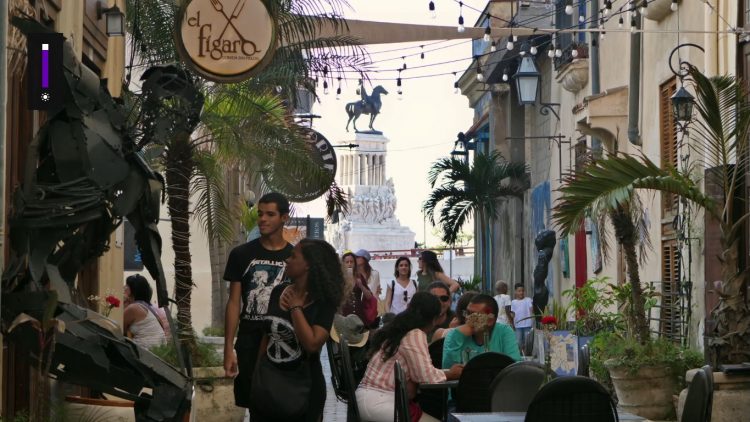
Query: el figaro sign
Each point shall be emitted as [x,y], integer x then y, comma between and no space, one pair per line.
[225,40]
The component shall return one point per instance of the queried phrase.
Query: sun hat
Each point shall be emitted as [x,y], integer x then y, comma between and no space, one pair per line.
[363,254]
[351,328]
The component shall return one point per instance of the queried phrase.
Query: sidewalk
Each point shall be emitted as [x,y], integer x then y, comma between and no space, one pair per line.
[335,411]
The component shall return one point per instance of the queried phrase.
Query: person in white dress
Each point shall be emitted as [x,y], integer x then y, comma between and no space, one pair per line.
[401,289]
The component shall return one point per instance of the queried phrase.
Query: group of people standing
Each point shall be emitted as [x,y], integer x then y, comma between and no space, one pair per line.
[283,301]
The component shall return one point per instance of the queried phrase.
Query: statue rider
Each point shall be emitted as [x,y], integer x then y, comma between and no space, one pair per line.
[367,103]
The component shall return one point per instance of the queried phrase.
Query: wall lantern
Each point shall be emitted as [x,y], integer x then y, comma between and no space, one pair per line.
[682,105]
[527,81]
[115,19]
[461,148]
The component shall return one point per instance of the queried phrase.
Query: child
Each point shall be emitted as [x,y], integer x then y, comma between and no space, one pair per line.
[521,307]
[503,303]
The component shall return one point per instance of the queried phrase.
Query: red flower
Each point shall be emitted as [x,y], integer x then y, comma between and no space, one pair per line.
[113,301]
[549,319]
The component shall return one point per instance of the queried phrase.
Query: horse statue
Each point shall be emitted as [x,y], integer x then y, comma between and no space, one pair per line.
[369,104]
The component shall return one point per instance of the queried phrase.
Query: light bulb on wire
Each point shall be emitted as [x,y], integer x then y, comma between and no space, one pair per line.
[558,53]
[569,9]
[493,47]
[461,27]
[431,6]
[620,22]
[455,84]
[551,52]
[487,33]
[509,46]
[325,87]
[581,19]
[674,6]
[505,75]
[533,50]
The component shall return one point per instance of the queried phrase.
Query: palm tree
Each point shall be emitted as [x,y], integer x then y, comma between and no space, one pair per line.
[721,142]
[247,124]
[461,191]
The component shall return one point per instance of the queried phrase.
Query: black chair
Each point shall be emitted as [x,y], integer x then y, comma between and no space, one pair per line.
[334,361]
[401,409]
[350,386]
[572,399]
[710,377]
[515,386]
[697,400]
[436,352]
[473,390]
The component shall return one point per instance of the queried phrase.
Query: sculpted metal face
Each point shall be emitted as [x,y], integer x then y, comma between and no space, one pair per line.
[226,40]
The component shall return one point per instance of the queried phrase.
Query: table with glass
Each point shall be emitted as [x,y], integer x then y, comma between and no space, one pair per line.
[444,387]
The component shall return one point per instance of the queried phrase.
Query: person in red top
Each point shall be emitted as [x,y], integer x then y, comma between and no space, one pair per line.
[404,340]
[354,303]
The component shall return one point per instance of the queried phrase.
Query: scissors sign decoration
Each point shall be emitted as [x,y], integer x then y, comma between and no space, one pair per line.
[226,40]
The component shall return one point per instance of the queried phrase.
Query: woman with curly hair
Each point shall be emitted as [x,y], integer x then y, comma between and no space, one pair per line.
[300,316]
[430,271]
[404,340]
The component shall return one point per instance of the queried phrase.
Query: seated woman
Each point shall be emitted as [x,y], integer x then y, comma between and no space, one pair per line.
[354,302]
[141,321]
[458,317]
[480,333]
[403,340]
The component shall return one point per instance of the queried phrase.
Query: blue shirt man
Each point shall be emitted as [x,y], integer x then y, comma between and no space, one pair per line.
[468,340]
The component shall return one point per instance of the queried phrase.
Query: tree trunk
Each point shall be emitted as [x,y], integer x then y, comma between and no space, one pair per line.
[179,170]
[626,236]
[484,251]
[731,341]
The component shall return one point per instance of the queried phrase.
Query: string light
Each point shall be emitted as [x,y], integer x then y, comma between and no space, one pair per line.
[551,51]
[325,87]
[620,22]
[505,75]
[421,55]
[403,67]
[632,24]
[509,46]
[674,6]
[533,50]
[487,33]
[558,53]
[644,7]
[338,90]
[431,6]
[455,84]
[574,50]
[480,76]
[461,27]
[398,84]
[493,47]
[325,71]
[568,9]
[581,19]
[607,7]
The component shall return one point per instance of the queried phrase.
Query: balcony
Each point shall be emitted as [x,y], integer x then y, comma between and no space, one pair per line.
[573,72]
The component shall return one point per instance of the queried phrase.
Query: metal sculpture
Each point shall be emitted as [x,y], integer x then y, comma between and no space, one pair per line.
[85,172]
[545,245]
[369,104]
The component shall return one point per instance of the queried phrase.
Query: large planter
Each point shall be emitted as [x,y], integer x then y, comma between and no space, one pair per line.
[214,397]
[87,409]
[647,392]
[731,402]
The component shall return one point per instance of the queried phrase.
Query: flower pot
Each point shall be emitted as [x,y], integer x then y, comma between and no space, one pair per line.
[214,396]
[87,409]
[647,392]
[731,400]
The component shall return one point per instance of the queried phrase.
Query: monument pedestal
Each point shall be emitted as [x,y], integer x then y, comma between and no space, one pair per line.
[371,222]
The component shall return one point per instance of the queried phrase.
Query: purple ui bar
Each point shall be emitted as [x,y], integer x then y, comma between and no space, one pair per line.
[45,66]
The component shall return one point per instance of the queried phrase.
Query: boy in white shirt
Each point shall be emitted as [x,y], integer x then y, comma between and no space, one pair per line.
[503,303]
[521,307]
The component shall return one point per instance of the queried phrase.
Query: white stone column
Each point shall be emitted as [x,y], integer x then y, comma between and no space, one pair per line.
[382,169]
[362,169]
[369,169]
[345,179]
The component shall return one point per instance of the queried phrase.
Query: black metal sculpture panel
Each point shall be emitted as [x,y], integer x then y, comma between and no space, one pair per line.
[85,172]
[545,245]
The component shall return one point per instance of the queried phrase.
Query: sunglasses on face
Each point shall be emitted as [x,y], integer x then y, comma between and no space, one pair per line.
[444,298]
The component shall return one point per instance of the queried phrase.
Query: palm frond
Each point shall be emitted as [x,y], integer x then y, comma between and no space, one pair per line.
[215,215]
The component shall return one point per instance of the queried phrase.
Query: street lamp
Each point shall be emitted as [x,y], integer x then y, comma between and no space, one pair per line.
[527,81]
[682,105]
[114,17]
[461,148]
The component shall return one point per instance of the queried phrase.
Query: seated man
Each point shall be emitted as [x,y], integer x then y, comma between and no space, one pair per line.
[468,340]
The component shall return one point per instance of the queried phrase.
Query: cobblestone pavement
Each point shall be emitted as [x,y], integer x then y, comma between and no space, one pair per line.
[335,410]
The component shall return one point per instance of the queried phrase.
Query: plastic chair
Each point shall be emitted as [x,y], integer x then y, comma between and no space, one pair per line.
[697,400]
[515,386]
[401,409]
[710,377]
[334,361]
[473,390]
[350,386]
[436,352]
[572,399]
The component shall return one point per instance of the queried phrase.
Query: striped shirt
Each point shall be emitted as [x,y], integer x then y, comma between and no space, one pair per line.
[414,358]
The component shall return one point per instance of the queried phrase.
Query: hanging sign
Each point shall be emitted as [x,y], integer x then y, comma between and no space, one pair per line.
[225,40]
[296,185]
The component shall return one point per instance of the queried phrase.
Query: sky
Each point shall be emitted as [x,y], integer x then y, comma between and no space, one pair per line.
[422,126]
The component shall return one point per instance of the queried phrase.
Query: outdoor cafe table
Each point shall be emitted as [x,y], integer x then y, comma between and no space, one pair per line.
[444,386]
[518,417]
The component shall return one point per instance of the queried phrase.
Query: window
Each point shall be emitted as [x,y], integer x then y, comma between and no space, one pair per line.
[668,140]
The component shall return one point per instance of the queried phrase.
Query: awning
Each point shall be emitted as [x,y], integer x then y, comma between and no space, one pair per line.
[605,115]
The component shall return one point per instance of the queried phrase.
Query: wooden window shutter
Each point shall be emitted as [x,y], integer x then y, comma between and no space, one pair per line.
[668,140]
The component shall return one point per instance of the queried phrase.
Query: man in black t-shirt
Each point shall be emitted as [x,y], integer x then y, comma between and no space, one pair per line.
[253,270]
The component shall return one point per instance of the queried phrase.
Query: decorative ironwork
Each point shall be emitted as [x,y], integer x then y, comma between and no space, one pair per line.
[546,108]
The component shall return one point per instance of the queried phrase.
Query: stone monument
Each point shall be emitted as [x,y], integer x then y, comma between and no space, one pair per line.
[371,222]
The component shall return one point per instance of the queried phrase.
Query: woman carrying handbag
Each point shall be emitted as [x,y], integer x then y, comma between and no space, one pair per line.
[288,382]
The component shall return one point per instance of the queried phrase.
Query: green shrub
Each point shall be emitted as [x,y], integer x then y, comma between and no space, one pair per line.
[213,332]
[204,355]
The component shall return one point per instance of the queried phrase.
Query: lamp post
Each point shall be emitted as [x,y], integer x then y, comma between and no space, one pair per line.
[527,80]
[461,148]
[682,101]
[115,19]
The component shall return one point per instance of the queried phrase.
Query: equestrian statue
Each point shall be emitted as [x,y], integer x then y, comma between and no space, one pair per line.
[368,104]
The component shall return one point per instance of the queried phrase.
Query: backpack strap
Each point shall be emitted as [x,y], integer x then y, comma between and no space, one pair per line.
[393,287]
[416,286]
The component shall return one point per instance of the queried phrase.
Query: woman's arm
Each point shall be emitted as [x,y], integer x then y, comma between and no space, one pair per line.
[366,293]
[388,299]
[310,337]
[452,284]
[132,314]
